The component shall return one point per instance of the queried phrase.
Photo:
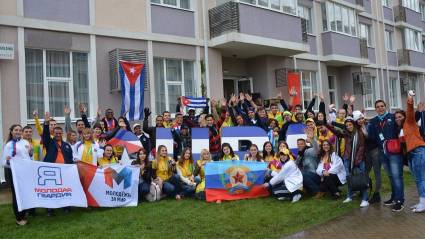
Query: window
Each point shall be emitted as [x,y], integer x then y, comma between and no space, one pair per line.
[413,39]
[185,4]
[422,10]
[394,93]
[386,3]
[305,12]
[365,33]
[55,79]
[309,87]
[411,4]
[389,40]
[339,18]
[332,90]
[369,92]
[414,85]
[173,78]
[288,6]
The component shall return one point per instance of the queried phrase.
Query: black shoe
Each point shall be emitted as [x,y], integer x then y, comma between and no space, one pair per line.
[376,198]
[389,202]
[50,213]
[398,206]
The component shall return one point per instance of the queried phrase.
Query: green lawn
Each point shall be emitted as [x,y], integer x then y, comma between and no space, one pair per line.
[189,218]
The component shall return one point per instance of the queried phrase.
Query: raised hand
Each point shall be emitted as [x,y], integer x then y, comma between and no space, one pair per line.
[421,107]
[345,98]
[99,112]
[248,97]
[213,103]
[321,97]
[147,112]
[279,95]
[47,116]
[223,102]
[67,110]
[83,108]
[35,113]
[293,91]
[241,96]
[352,99]
[309,133]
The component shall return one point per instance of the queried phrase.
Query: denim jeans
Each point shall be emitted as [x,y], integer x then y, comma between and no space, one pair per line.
[374,162]
[171,187]
[362,168]
[144,188]
[417,167]
[188,190]
[393,166]
[311,181]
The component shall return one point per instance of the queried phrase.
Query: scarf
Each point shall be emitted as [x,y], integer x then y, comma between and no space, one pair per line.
[186,169]
[14,141]
[110,126]
[382,117]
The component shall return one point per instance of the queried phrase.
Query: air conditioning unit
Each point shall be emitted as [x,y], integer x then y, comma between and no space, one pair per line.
[136,56]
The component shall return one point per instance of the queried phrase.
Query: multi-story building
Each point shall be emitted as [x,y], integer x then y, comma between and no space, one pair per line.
[61,52]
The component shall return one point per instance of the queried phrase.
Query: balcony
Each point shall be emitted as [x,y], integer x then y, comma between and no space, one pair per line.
[411,61]
[248,31]
[341,49]
[405,17]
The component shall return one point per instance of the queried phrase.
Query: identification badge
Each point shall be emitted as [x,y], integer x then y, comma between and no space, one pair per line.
[381,136]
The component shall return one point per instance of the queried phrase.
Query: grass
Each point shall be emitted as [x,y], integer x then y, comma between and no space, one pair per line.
[189,218]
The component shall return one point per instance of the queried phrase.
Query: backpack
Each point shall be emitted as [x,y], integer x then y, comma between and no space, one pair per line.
[154,193]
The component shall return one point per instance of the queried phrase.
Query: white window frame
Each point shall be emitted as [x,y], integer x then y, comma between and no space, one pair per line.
[293,5]
[422,10]
[309,88]
[416,88]
[394,92]
[301,11]
[333,90]
[411,4]
[374,94]
[389,40]
[387,3]
[161,2]
[336,10]
[176,83]
[413,40]
[367,30]
[69,80]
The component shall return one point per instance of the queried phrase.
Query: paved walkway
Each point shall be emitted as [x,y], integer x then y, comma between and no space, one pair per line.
[375,222]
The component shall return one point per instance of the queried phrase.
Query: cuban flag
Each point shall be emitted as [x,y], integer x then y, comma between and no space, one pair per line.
[132,89]
[127,139]
[193,102]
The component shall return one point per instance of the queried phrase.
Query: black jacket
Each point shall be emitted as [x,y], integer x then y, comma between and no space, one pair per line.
[52,148]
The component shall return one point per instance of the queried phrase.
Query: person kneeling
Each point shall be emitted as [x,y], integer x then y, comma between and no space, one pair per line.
[164,173]
[288,182]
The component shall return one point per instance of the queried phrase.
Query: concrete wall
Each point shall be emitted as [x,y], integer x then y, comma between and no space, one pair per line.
[8,7]
[417,59]
[56,40]
[172,21]
[414,18]
[392,58]
[9,82]
[75,11]
[337,44]
[388,14]
[103,46]
[216,73]
[271,24]
[129,15]
[371,55]
[313,44]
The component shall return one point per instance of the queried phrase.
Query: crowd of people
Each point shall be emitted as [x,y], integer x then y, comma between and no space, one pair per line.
[341,147]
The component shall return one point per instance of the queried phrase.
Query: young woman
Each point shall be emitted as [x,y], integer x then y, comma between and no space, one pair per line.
[268,152]
[88,151]
[354,155]
[254,154]
[331,170]
[16,149]
[97,132]
[108,156]
[282,146]
[200,171]
[185,172]
[286,184]
[415,148]
[164,173]
[227,153]
[145,180]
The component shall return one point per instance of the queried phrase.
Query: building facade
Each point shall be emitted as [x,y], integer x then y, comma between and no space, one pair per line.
[66,52]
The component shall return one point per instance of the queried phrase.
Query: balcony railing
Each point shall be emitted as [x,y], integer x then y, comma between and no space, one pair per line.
[224,18]
[403,57]
[363,48]
[400,14]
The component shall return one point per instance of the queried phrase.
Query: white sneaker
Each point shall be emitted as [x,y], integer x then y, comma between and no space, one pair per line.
[414,206]
[347,200]
[364,203]
[283,198]
[419,208]
[296,198]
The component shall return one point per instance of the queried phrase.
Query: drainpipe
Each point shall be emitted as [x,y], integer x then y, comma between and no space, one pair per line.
[206,60]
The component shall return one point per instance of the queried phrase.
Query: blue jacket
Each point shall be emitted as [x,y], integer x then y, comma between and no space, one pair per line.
[387,127]
[52,148]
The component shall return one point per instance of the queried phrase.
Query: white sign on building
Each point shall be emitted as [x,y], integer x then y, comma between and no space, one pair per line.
[7,51]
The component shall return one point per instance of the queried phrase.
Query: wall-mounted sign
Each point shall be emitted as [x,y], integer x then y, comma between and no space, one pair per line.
[7,51]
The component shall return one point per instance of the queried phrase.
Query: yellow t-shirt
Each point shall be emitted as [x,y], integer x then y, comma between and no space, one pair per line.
[163,171]
[87,156]
[228,157]
[278,117]
[104,161]
[186,169]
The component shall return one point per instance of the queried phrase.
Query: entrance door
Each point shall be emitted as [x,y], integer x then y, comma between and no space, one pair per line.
[236,85]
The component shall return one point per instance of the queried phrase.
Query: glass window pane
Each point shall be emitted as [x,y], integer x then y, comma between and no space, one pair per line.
[34,81]
[338,18]
[275,4]
[80,80]
[345,21]
[185,4]
[156,1]
[174,92]
[264,3]
[57,64]
[249,1]
[189,79]
[174,70]
[170,2]
[158,64]
[58,97]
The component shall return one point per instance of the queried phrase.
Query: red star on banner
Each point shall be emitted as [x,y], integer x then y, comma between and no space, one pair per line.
[238,178]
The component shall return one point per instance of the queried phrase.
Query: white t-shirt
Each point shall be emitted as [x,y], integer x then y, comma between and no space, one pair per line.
[22,151]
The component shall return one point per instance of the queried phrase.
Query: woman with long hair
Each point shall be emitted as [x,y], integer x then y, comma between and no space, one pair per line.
[331,170]
[254,154]
[268,152]
[200,171]
[185,172]
[145,166]
[281,146]
[108,156]
[227,153]
[163,168]
[15,149]
[88,151]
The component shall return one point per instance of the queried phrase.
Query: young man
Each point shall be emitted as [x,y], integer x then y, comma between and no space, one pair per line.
[383,128]
[159,123]
[109,121]
[37,149]
[214,129]
[143,137]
